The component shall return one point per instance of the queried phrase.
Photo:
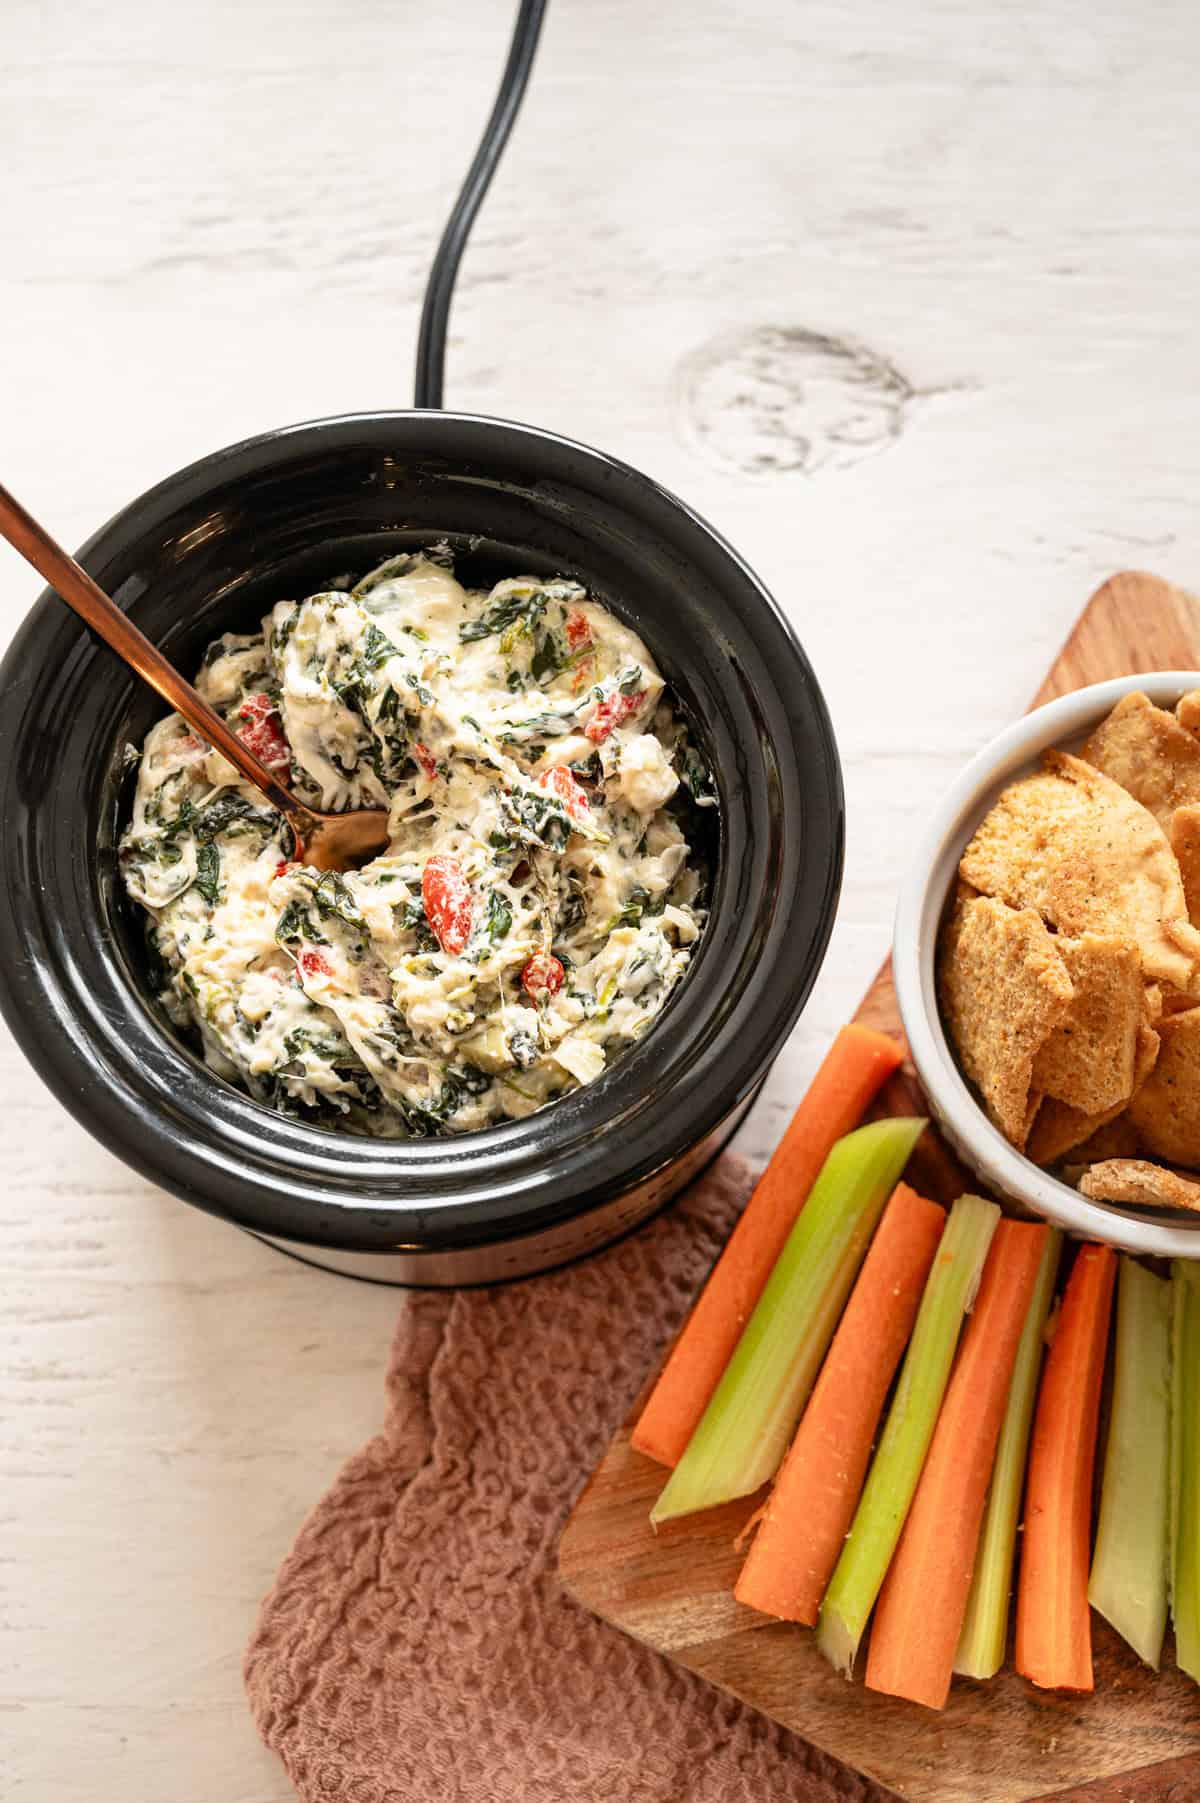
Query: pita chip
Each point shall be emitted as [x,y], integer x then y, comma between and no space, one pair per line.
[1059,1128]
[1004,989]
[1184,834]
[1141,1183]
[1074,845]
[1166,1109]
[1150,754]
[1088,1059]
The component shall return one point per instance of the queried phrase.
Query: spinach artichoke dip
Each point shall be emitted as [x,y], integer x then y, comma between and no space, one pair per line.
[538,899]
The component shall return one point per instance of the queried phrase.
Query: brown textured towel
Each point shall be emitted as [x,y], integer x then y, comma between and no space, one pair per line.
[417,1648]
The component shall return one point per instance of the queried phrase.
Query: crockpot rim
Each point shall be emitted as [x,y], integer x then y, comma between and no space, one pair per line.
[370,1222]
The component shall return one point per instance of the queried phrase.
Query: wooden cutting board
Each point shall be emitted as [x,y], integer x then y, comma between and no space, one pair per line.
[1137,1739]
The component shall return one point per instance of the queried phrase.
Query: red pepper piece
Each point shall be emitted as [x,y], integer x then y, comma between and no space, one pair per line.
[560,782]
[263,732]
[314,963]
[613,711]
[542,976]
[426,759]
[448,903]
[579,633]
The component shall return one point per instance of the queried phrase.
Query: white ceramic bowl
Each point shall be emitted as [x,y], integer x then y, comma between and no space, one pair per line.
[980,1145]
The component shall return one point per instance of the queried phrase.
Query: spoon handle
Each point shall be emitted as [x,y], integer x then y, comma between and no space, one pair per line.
[72,584]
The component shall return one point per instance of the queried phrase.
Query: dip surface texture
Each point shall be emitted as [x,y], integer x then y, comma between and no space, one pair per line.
[538,899]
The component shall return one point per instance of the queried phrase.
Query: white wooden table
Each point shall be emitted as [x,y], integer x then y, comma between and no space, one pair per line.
[218,219]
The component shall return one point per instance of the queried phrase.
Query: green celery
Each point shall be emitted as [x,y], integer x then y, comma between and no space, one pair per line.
[1185,1465]
[744,1432]
[892,1480]
[1129,1568]
[984,1636]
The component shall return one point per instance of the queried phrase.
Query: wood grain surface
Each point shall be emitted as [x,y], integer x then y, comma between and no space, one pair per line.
[718,229]
[1137,1739]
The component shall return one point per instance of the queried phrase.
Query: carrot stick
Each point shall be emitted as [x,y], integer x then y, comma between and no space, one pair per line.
[920,1611]
[856,1066]
[744,1432]
[1054,1629]
[891,1484]
[805,1520]
[984,1638]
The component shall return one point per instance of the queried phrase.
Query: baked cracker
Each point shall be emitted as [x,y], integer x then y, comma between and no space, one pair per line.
[1003,990]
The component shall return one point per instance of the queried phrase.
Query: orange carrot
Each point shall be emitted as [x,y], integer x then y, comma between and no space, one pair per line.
[808,1513]
[1054,1629]
[857,1064]
[919,1615]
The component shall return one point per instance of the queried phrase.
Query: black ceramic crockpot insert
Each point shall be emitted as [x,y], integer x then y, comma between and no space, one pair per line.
[212,548]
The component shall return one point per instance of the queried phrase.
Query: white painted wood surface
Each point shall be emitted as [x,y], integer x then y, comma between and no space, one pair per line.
[218,219]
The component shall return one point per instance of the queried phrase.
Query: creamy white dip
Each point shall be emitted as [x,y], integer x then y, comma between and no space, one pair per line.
[538,899]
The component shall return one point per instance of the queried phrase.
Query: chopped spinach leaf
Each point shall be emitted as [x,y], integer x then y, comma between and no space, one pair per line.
[697,779]
[497,919]
[334,900]
[459,1082]
[208,872]
[173,829]
[376,647]
[232,814]
[589,768]
[297,923]
[539,726]
[537,819]
[547,659]
[414,916]
[553,657]
[328,1046]
[521,608]
[637,903]
[156,967]
[283,630]
[574,908]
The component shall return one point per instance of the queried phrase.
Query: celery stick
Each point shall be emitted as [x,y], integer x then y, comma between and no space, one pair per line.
[888,1492]
[984,1636]
[1185,1465]
[1129,1567]
[744,1432]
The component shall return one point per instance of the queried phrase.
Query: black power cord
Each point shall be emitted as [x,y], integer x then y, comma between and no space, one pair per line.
[435,313]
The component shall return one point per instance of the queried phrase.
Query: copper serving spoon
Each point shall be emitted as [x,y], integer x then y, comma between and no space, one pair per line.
[327,841]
